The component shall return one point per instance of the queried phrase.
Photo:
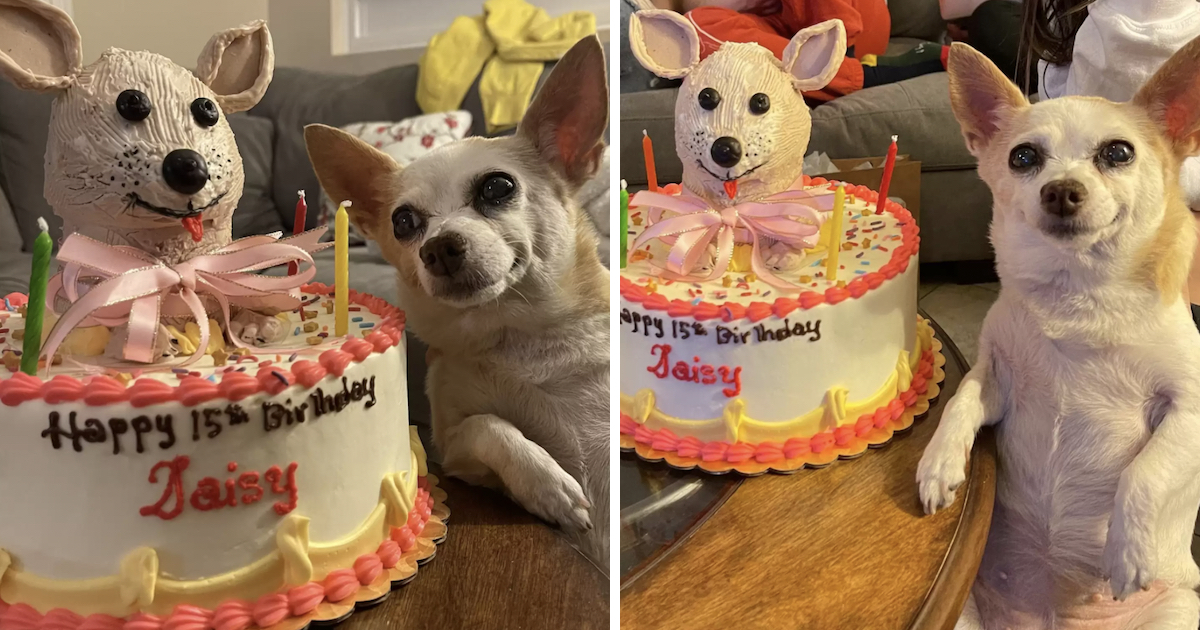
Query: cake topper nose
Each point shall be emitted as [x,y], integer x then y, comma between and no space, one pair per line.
[185,171]
[726,151]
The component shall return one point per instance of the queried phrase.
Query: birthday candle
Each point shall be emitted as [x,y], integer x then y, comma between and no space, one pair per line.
[888,165]
[341,298]
[624,223]
[298,228]
[648,153]
[835,233]
[36,309]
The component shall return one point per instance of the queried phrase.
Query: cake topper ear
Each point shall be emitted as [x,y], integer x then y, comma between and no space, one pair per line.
[815,54]
[1172,98]
[237,65]
[39,46]
[566,120]
[349,168]
[664,42]
[980,95]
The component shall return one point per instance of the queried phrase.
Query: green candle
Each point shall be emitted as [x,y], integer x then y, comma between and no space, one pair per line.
[624,223]
[35,311]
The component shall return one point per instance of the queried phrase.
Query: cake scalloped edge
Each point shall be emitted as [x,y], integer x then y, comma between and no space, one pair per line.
[850,444]
[243,615]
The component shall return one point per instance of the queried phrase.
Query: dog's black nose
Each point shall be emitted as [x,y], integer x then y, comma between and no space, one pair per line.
[1063,197]
[185,171]
[443,255]
[726,151]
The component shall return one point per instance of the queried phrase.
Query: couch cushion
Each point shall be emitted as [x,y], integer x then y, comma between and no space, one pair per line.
[256,211]
[24,127]
[10,235]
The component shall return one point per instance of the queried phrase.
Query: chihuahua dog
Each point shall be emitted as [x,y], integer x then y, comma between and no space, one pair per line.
[140,153]
[1089,364]
[499,274]
[741,124]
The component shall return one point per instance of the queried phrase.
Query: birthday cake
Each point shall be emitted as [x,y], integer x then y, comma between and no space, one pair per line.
[768,320]
[193,434]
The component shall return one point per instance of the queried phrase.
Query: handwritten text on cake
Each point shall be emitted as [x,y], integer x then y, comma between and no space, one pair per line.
[212,494]
[722,334]
[695,372]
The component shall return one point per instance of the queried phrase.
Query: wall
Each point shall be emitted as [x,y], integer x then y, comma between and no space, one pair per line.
[177,30]
[302,34]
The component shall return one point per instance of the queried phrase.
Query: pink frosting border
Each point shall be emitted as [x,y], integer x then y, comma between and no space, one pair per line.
[234,386]
[268,610]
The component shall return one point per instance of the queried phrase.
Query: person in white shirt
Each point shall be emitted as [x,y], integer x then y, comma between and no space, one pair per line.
[1109,48]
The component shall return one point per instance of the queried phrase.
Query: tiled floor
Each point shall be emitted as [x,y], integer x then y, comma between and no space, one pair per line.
[959,309]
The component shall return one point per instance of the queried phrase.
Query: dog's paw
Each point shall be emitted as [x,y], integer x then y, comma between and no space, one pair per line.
[942,469]
[551,494]
[1129,560]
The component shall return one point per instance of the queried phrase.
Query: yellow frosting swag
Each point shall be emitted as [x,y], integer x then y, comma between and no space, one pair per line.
[509,43]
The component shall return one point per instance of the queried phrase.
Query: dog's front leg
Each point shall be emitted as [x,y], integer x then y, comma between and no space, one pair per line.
[484,445]
[1164,467]
[978,402]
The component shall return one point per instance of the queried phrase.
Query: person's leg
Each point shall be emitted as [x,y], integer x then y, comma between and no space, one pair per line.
[994,29]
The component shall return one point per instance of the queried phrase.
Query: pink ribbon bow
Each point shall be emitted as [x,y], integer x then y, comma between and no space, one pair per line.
[138,289]
[790,217]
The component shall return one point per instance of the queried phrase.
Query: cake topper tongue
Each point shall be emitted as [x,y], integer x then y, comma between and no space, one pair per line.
[195,225]
[731,188]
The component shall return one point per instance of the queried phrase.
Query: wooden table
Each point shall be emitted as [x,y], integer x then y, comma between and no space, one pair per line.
[499,568]
[846,546]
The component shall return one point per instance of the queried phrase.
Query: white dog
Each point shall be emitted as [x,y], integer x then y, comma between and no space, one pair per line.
[499,275]
[1089,364]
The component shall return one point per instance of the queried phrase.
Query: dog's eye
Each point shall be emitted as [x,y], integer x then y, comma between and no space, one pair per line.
[406,222]
[760,104]
[709,98]
[1117,153]
[496,187]
[133,105]
[1024,158]
[205,112]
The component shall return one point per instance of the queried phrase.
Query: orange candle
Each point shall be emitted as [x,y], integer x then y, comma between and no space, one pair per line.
[648,151]
[888,165]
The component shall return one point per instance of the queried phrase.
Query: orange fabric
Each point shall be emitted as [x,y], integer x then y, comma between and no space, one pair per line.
[868,26]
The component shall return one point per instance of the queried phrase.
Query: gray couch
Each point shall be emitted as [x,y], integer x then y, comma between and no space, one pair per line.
[955,203]
[270,138]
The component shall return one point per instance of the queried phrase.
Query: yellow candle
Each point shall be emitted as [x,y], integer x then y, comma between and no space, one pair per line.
[835,233]
[341,250]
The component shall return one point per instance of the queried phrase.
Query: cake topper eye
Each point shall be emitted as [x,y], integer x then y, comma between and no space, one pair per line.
[759,104]
[709,98]
[406,222]
[496,188]
[133,105]
[205,112]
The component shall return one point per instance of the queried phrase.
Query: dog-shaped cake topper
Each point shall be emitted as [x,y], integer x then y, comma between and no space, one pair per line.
[140,154]
[139,151]
[741,125]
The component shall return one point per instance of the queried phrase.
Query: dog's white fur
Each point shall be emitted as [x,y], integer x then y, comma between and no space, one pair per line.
[519,379]
[1089,365]
[773,144]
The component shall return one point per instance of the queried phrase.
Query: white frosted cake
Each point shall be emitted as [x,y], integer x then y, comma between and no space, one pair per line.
[249,488]
[737,373]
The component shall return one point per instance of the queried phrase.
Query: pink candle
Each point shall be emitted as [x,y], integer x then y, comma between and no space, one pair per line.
[298,228]
[888,165]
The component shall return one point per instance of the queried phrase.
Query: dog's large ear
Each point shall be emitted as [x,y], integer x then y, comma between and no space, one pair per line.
[349,168]
[815,54]
[980,95]
[237,64]
[566,120]
[40,48]
[1172,98]
[664,42]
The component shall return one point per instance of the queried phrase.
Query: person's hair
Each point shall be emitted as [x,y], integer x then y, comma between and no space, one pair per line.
[1048,29]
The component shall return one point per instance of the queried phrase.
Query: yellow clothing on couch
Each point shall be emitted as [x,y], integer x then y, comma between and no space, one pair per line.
[509,43]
